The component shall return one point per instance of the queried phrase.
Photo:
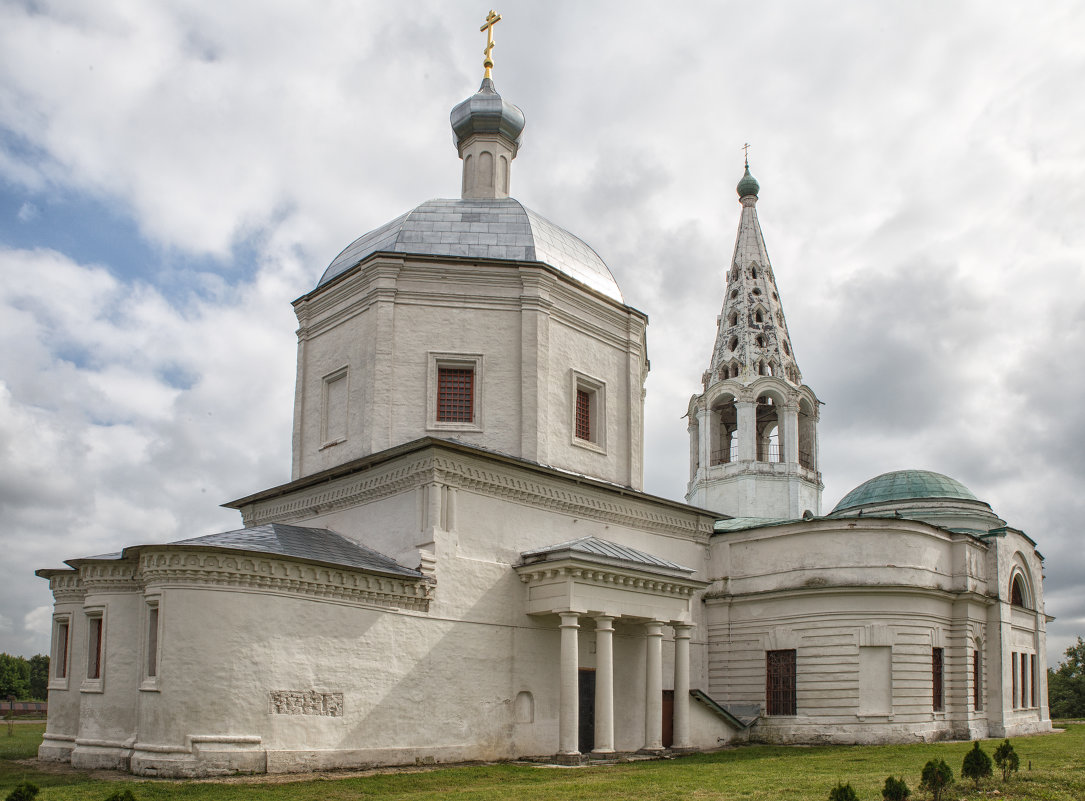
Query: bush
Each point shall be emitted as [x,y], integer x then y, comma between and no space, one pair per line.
[843,792]
[23,792]
[121,795]
[895,789]
[977,765]
[937,776]
[1006,759]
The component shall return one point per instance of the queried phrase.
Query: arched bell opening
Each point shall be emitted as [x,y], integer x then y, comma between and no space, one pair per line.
[807,436]
[770,440]
[723,431]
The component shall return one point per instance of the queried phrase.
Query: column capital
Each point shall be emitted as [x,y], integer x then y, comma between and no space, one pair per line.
[604,622]
[654,628]
[570,620]
[683,631]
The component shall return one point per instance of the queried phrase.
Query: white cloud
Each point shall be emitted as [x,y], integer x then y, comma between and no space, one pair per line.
[922,192]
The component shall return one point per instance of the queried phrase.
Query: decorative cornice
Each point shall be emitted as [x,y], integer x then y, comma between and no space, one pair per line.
[626,579]
[561,493]
[66,587]
[115,575]
[372,485]
[260,571]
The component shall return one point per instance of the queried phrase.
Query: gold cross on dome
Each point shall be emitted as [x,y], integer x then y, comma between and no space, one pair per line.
[488,61]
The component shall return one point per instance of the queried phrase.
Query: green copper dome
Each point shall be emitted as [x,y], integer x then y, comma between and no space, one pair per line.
[904,485]
[748,185]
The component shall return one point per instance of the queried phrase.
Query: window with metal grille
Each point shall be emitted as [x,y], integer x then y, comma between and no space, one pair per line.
[455,394]
[583,414]
[937,678]
[977,683]
[152,641]
[780,682]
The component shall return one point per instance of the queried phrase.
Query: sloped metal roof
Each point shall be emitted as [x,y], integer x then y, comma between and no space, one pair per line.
[302,542]
[297,542]
[485,229]
[609,551]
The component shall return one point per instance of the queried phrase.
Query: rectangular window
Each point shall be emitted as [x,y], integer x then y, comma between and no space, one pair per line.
[1024,682]
[977,683]
[1033,677]
[336,407]
[937,679]
[780,682]
[152,641]
[588,404]
[455,394]
[583,414]
[1013,673]
[94,647]
[60,659]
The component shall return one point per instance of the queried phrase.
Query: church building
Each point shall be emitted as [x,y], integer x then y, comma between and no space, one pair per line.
[465,566]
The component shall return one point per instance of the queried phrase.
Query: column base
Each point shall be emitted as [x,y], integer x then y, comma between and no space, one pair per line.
[570,759]
[654,751]
[603,753]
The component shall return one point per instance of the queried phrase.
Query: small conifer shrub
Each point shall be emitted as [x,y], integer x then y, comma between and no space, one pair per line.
[895,789]
[23,792]
[937,776]
[1006,759]
[121,795]
[843,792]
[977,765]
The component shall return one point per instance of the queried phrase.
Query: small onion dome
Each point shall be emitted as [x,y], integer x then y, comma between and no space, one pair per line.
[487,112]
[748,185]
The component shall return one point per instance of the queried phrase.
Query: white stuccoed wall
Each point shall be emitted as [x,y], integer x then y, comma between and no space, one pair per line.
[531,326]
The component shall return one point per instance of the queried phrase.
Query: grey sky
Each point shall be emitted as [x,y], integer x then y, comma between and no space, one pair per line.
[174,174]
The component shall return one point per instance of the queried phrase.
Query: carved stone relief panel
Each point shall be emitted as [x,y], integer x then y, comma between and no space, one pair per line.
[306,702]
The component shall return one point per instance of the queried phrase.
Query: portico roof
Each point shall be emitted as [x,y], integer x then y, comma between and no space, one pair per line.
[593,549]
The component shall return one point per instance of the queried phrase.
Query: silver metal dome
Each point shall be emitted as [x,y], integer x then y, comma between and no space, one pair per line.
[481,229]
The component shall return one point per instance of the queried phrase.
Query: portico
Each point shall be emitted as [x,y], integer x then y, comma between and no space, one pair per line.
[596,580]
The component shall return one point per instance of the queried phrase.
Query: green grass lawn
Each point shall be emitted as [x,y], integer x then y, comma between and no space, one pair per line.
[758,773]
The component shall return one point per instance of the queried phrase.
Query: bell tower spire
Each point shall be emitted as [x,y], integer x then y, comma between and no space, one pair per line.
[753,429]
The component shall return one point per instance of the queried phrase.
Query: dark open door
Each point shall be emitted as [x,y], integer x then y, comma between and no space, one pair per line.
[668,718]
[586,736]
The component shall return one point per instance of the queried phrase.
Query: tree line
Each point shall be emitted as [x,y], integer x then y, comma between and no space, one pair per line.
[26,679]
[1066,684]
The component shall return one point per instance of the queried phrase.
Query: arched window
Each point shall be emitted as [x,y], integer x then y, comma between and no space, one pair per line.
[753,272]
[734,294]
[1017,591]
[733,319]
[760,340]
[758,316]
[733,344]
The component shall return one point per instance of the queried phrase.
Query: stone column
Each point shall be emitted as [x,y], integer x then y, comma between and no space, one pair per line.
[653,687]
[788,427]
[704,445]
[681,685]
[604,685]
[568,718]
[747,430]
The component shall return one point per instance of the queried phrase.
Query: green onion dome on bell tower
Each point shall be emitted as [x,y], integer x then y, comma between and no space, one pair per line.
[748,185]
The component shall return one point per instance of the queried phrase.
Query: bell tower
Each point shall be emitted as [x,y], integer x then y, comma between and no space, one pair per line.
[753,428]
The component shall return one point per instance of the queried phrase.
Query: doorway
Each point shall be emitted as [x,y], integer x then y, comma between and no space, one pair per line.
[668,718]
[586,714]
